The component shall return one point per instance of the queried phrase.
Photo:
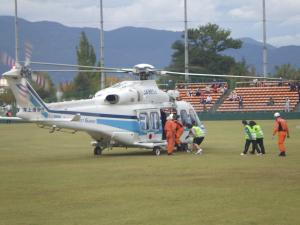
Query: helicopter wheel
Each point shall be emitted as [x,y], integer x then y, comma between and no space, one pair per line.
[97,150]
[157,150]
[184,147]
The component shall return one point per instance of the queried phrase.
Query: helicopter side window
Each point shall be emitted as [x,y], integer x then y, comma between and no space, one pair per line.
[185,117]
[144,121]
[154,120]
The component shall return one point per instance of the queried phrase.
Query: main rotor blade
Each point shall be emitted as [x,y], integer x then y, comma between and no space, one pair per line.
[73,65]
[163,72]
[88,71]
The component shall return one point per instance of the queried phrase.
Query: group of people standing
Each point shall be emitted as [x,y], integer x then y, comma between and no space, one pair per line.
[254,135]
[174,129]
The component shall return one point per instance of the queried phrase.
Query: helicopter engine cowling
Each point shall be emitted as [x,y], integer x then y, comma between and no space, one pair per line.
[123,97]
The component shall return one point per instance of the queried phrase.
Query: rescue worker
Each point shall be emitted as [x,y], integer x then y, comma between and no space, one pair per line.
[170,129]
[250,137]
[281,128]
[179,132]
[259,137]
[198,136]
[163,122]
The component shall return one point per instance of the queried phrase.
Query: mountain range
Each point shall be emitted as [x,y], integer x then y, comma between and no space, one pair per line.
[124,47]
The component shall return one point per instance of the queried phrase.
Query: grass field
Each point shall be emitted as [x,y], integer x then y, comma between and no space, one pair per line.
[53,179]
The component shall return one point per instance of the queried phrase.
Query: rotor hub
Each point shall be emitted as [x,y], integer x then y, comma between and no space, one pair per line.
[144,71]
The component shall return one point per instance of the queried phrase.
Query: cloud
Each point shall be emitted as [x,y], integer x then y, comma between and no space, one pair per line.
[285,40]
[244,12]
[167,14]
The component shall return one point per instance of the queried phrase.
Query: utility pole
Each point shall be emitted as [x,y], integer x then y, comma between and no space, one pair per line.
[186,47]
[102,85]
[16,35]
[265,53]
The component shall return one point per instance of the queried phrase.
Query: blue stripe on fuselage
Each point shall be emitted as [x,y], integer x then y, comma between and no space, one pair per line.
[129,125]
[132,125]
[34,101]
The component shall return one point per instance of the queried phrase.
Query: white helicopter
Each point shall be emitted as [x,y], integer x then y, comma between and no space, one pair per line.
[127,114]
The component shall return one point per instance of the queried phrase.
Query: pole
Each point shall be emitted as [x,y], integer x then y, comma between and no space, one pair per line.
[265,56]
[102,85]
[16,34]
[186,50]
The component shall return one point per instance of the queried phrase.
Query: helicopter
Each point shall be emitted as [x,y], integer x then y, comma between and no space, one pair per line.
[127,114]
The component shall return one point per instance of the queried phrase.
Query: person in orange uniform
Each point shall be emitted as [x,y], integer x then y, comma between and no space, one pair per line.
[281,128]
[179,132]
[170,129]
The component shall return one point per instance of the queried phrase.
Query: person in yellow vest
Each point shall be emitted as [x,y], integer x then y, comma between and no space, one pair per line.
[198,136]
[250,137]
[259,137]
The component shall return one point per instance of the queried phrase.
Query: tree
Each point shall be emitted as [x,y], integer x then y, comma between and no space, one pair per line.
[45,89]
[206,45]
[7,97]
[287,71]
[85,83]
[211,38]
[67,88]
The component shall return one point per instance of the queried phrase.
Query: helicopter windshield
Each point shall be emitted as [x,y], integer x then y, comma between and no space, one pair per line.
[194,118]
[189,117]
[185,118]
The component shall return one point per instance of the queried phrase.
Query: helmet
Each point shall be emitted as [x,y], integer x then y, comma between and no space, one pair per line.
[170,117]
[244,122]
[277,114]
[252,123]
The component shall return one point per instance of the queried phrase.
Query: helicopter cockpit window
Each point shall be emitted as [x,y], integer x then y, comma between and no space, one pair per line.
[185,119]
[193,116]
[154,120]
[144,121]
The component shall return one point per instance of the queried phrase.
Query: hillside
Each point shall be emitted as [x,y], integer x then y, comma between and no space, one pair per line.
[124,47]
[53,42]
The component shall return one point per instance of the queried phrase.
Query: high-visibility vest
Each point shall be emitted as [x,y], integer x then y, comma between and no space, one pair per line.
[249,133]
[197,131]
[258,131]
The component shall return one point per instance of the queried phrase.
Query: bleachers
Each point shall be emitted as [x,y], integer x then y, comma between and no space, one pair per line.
[195,100]
[256,99]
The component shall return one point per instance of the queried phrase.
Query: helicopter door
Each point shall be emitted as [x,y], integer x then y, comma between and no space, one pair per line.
[150,125]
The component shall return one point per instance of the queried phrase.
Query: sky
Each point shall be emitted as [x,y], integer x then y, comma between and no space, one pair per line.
[242,17]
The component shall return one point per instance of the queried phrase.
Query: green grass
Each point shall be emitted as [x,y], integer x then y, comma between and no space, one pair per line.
[53,179]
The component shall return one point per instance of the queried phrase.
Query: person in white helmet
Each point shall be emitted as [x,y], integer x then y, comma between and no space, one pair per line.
[281,128]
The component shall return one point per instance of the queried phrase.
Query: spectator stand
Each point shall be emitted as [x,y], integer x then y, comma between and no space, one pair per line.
[203,96]
[261,96]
